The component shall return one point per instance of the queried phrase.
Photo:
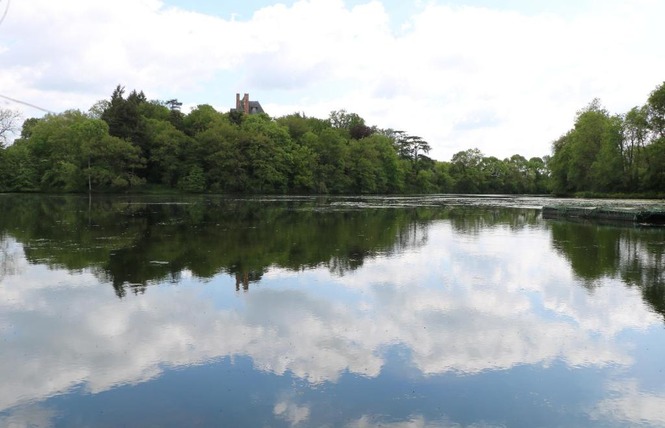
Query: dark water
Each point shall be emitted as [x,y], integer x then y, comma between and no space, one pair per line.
[391,312]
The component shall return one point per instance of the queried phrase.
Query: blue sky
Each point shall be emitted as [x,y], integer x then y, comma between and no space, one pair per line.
[243,10]
[503,76]
[399,9]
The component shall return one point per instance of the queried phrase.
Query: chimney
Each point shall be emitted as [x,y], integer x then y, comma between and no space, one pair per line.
[245,103]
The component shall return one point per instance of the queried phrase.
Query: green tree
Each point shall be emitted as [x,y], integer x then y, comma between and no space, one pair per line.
[496,176]
[607,170]
[18,170]
[656,111]
[170,155]
[126,118]
[589,157]
[635,138]
[330,174]
[586,140]
[194,181]
[559,165]
[539,180]
[123,117]
[89,134]
[115,165]
[57,142]
[442,177]
[72,152]
[466,171]
[654,173]
[251,158]
[200,119]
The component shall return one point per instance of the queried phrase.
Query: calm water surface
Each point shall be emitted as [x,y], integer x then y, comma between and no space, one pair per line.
[349,312]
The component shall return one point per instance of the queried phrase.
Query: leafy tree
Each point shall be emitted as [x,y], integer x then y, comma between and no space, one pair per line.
[591,156]
[252,158]
[126,118]
[173,104]
[341,119]
[201,118]
[443,180]
[333,158]
[18,171]
[302,163]
[298,125]
[656,111]
[392,168]
[56,141]
[466,171]
[115,165]
[538,175]
[28,125]
[89,134]
[520,179]
[194,181]
[607,170]
[559,165]
[98,109]
[72,152]
[170,157]
[493,174]
[635,138]
[410,147]
[586,140]
[654,173]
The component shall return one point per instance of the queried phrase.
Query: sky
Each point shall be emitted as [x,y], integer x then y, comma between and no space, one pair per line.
[506,77]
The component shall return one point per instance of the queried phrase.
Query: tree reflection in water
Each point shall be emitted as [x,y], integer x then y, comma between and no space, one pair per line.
[634,255]
[133,242]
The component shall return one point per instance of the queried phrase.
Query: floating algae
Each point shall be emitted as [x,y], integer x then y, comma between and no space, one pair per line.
[639,215]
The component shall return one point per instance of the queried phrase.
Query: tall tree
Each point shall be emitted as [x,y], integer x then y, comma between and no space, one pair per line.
[585,143]
[125,118]
[635,138]
[607,170]
[466,171]
[656,109]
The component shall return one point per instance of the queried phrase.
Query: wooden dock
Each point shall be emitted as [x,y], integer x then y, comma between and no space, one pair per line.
[611,214]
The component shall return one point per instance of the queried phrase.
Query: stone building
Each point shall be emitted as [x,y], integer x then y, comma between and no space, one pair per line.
[246,106]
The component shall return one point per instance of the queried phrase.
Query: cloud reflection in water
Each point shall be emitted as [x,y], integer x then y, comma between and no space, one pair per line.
[460,304]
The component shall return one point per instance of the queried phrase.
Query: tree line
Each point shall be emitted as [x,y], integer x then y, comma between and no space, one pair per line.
[129,143]
[613,153]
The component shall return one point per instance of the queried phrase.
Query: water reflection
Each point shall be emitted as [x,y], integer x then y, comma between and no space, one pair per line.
[133,243]
[406,306]
[9,255]
[597,252]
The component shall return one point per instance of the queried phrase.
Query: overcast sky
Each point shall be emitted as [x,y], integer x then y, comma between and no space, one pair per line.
[503,76]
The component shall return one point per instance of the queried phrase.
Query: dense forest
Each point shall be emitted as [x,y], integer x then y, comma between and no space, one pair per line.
[130,143]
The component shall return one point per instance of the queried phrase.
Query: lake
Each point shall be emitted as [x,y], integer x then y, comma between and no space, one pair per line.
[326,312]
